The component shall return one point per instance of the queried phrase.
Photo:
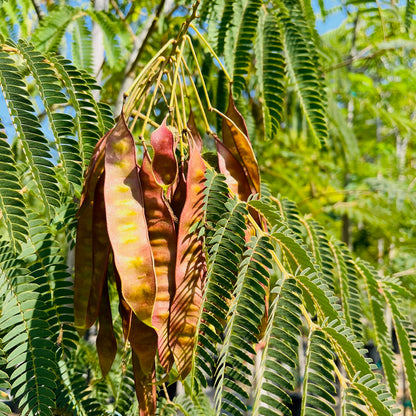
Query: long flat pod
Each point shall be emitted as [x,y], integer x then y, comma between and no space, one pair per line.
[106,340]
[101,252]
[235,138]
[95,169]
[190,266]
[142,338]
[143,341]
[84,261]
[145,388]
[162,237]
[126,223]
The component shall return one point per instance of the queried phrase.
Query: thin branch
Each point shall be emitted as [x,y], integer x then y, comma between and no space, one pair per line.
[408,272]
[38,10]
[123,19]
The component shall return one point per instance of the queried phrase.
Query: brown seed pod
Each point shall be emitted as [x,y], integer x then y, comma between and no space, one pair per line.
[126,223]
[84,249]
[162,237]
[235,138]
[190,266]
[164,165]
[106,341]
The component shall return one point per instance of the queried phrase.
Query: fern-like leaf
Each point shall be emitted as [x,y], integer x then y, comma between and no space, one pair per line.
[406,339]
[49,33]
[89,123]
[270,72]
[381,332]
[227,246]
[347,281]
[225,20]
[82,45]
[410,12]
[49,269]
[276,374]
[73,392]
[319,245]
[30,352]
[319,382]
[244,317]
[29,133]
[109,28]
[12,208]
[244,44]
[351,356]
[61,124]
[303,73]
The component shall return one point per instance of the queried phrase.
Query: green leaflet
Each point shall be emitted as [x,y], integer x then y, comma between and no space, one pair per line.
[351,355]
[45,261]
[49,33]
[30,353]
[244,44]
[277,370]
[91,119]
[11,200]
[243,321]
[73,393]
[29,134]
[406,339]
[107,23]
[270,72]
[319,245]
[226,247]
[410,11]
[61,124]
[303,73]
[381,331]
[82,46]
[347,282]
[319,383]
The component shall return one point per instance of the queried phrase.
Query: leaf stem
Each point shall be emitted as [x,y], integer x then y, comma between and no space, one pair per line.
[204,41]
[208,128]
[204,87]
[149,110]
[176,74]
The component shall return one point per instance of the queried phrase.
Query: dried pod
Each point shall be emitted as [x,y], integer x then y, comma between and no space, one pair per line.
[126,223]
[235,138]
[234,174]
[162,237]
[190,266]
[101,252]
[164,165]
[84,249]
[145,385]
[106,340]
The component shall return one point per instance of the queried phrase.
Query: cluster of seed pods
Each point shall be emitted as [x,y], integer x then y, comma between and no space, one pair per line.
[141,220]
